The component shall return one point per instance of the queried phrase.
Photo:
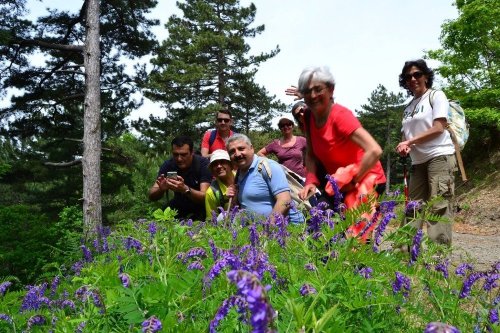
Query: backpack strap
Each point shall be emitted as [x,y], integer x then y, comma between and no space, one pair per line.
[455,143]
[213,135]
[264,165]
[214,185]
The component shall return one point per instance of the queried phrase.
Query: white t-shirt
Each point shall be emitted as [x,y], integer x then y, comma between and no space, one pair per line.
[418,117]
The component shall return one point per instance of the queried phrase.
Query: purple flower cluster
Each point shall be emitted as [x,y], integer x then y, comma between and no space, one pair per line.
[83,294]
[436,327]
[4,286]
[380,229]
[132,243]
[443,268]
[80,327]
[77,268]
[401,283]
[412,207]
[491,281]
[307,289]
[365,272]
[196,265]
[337,195]
[6,318]
[34,298]
[195,252]
[310,267]
[252,291]
[54,285]
[152,229]
[254,235]
[493,316]
[415,246]
[222,312]
[36,320]
[463,268]
[151,325]
[87,255]
[468,283]
[125,279]
[368,225]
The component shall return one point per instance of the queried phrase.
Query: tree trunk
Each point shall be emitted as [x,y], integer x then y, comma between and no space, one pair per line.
[92,210]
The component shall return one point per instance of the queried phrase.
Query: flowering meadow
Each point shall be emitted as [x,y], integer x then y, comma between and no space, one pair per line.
[247,275]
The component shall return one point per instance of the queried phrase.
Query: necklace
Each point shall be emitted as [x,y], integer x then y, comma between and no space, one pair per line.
[417,100]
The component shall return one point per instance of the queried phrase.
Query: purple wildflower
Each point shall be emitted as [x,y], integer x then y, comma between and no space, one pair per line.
[132,243]
[415,246]
[6,318]
[80,327]
[337,195]
[195,265]
[387,206]
[365,272]
[282,233]
[468,283]
[227,259]
[463,268]
[34,298]
[254,235]
[443,268]
[213,248]
[401,283]
[380,229]
[54,285]
[87,255]
[77,268]
[67,303]
[493,316]
[496,267]
[412,207]
[125,279]
[307,289]
[496,301]
[368,225]
[36,320]
[195,252]
[81,293]
[310,267]
[222,312]
[250,288]
[151,325]
[491,281]
[152,229]
[436,327]
[4,286]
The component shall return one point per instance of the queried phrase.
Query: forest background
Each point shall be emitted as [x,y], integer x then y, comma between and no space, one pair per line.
[205,62]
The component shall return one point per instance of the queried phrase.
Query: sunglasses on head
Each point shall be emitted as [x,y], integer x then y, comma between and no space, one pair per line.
[415,75]
[223,120]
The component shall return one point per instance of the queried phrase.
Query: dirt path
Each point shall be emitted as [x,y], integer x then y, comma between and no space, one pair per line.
[482,250]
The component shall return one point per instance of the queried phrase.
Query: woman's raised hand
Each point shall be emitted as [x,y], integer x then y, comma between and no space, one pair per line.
[293,91]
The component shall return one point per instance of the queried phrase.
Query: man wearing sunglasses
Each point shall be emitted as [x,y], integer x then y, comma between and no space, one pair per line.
[216,139]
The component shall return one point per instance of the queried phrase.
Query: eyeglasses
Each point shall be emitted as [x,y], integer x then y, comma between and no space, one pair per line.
[285,125]
[415,75]
[299,113]
[316,89]
[223,120]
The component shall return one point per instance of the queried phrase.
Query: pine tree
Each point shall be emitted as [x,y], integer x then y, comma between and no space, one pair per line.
[205,65]
[381,117]
[44,122]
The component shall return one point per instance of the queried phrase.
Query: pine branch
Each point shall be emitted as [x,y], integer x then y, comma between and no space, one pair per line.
[64,164]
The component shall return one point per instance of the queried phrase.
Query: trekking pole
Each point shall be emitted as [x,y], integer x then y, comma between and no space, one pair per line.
[405,178]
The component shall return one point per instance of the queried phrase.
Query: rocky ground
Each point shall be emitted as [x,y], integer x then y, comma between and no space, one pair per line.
[477,223]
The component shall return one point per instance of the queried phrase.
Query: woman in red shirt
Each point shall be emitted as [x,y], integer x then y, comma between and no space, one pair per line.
[335,136]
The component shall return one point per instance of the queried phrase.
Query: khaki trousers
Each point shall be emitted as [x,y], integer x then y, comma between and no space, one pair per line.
[427,181]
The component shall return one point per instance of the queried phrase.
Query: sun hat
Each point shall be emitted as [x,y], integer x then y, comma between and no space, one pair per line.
[219,154]
[285,120]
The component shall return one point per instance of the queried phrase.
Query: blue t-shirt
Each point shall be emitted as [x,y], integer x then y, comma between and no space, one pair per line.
[257,196]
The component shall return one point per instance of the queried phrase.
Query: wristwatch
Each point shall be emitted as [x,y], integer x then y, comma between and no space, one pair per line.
[187,191]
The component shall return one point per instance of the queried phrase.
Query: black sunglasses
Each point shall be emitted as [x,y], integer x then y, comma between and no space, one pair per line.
[286,125]
[415,75]
[223,120]
[300,112]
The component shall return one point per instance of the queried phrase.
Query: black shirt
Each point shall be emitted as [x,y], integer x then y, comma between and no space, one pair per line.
[197,173]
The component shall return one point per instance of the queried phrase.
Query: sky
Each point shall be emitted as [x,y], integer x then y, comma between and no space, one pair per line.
[364,42]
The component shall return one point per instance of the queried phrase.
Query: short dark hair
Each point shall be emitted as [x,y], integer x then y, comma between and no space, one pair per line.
[182,140]
[225,111]
[420,64]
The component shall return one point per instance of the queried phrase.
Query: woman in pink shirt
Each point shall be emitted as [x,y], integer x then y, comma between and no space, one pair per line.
[335,136]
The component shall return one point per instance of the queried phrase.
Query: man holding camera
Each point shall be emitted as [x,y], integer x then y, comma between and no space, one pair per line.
[187,176]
